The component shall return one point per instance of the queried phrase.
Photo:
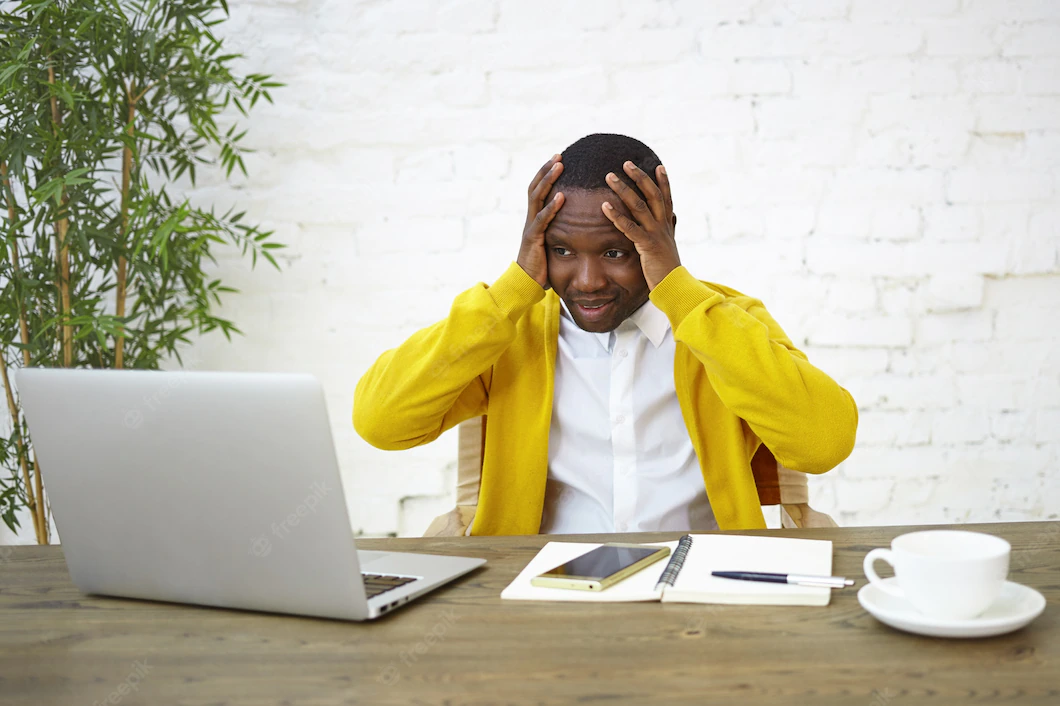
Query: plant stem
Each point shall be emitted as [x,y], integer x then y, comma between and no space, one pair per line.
[44,509]
[22,326]
[62,250]
[126,173]
[31,499]
[40,520]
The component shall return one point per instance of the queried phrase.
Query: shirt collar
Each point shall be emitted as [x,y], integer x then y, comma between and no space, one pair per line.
[648,318]
[652,322]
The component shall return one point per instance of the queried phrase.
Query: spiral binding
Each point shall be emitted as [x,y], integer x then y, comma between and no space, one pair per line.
[673,568]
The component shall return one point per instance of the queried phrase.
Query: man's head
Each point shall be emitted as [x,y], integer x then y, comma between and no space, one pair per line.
[592,265]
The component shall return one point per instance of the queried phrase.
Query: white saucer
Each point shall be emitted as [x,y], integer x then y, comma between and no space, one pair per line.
[1015,607]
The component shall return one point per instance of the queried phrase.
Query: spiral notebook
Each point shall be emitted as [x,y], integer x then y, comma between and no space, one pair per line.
[687,576]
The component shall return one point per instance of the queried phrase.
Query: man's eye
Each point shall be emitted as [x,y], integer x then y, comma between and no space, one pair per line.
[614,254]
[560,251]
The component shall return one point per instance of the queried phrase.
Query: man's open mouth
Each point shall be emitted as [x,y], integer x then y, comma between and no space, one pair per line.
[595,311]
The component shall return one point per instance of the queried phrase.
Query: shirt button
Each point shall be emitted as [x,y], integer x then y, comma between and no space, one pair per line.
[623,353]
[619,419]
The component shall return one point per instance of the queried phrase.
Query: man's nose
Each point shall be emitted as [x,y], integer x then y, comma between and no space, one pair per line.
[590,277]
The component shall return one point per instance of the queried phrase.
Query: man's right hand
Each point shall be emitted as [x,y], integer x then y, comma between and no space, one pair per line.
[532,256]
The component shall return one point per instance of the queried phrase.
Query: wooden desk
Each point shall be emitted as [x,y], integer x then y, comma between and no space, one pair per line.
[463,645]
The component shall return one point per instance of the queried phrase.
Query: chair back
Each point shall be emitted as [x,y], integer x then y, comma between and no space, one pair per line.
[777,485]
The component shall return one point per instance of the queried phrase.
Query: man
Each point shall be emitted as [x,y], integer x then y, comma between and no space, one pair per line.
[621,393]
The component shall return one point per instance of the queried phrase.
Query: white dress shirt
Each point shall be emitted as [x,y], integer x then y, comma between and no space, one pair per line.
[619,455]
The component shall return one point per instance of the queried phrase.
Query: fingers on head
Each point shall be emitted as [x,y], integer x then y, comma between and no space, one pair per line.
[664,186]
[623,223]
[540,193]
[647,186]
[546,214]
[548,173]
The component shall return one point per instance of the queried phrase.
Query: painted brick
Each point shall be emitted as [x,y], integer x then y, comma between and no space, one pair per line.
[873,40]
[752,41]
[879,428]
[1047,428]
[907,10]
[952,222]
[996,391]
[960,39]
[1017,113]
[843,363]
[995,150]
[934,329]
[866,495]
[935,77]
[1032,40]
[546,15]
[884,176]
[1045,224]
[419,234]
[896,464]
[526,85]
[853,295]
[991,76]
[960,425]
[977,186]
[859,331]
[1011,10]
[465,17]
[791,117]
[1043,149]
[908,186]
[1034,323]
[1012,425]
[916,392]
[1040,77]
[846,258]
[954,292]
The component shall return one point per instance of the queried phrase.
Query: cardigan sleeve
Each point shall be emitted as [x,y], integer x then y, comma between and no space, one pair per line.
[801,414]
[440,376]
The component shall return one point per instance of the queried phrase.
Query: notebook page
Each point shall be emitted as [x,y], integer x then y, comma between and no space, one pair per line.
[638,587]
[730,552]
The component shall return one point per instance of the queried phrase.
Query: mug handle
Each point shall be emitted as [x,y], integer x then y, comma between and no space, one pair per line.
[873,577]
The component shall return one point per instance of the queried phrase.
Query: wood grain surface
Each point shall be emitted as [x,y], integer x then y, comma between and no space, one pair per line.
[463,645]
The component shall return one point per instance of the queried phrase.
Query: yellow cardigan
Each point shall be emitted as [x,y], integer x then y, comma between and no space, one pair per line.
[739,380]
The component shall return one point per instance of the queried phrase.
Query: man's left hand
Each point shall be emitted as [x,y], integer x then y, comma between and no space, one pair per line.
[652,227]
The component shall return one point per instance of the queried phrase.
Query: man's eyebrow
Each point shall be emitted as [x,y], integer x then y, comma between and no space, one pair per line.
[608,242]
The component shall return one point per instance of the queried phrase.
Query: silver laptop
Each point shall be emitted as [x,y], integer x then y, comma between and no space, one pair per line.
[218,489]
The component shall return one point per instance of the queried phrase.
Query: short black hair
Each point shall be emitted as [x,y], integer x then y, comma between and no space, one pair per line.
[587,162]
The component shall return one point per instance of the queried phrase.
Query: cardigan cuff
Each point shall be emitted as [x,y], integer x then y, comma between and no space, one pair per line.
[515,291]
[680,293]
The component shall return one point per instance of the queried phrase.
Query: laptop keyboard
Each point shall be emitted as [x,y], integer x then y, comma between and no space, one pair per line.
[374,584]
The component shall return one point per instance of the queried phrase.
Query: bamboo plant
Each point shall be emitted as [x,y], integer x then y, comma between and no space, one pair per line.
[108,110]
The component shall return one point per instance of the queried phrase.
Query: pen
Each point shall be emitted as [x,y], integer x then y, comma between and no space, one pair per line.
[796,579]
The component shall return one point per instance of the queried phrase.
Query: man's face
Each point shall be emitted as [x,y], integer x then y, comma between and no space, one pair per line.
[591,264]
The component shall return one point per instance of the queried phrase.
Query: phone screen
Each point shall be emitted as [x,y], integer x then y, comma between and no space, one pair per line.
[601,562]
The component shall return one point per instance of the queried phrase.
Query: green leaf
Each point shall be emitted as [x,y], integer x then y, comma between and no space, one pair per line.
[73,169]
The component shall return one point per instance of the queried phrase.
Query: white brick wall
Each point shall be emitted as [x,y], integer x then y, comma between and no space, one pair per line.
[886,177]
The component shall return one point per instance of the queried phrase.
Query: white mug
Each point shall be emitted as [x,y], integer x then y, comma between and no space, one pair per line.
[946,574]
